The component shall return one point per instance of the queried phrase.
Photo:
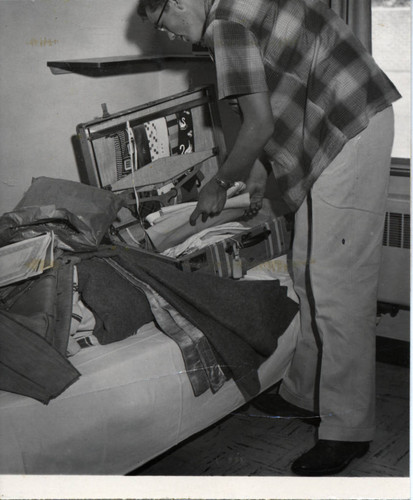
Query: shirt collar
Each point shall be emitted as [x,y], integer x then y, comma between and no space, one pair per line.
[208,4]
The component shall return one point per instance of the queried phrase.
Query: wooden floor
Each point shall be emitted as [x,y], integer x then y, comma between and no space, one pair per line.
[250,443]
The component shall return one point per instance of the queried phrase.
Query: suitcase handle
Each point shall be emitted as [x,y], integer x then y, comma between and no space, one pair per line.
[248,241]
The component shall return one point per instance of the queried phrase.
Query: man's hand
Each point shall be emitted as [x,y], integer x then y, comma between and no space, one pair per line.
[256,129]
[256,184]
[256,197]
[212,198]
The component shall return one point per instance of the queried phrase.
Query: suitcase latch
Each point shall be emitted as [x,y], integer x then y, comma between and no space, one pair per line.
[105,112]
[236,261]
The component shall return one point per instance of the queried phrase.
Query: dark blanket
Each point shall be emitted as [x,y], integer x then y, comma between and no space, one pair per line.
[119,308]
[241,319]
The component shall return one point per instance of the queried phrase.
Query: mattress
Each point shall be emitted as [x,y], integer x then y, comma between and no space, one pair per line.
[132,402]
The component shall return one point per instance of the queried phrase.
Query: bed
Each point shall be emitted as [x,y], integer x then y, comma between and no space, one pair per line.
[133,402]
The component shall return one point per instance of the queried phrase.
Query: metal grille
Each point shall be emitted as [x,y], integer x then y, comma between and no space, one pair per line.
[397,230]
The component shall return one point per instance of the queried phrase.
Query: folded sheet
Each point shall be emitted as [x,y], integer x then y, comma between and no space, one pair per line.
[173,227]
[205,238]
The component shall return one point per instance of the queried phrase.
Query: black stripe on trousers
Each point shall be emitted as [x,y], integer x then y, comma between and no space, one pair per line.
[312,303]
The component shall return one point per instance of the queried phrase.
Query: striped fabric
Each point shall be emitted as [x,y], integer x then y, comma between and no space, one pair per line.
[122,155]
[323,83]
[172,124]
[82,322]
[202,367]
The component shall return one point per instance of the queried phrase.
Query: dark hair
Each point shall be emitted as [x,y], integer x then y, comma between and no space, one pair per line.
[150,5]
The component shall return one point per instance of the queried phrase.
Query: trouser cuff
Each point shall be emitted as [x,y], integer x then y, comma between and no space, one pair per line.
[334,433]
[296,400]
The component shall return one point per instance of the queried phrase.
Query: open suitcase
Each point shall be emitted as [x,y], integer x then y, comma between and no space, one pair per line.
[182,133]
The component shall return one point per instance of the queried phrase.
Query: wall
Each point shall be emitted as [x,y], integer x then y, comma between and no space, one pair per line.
[39,110]
[178,77]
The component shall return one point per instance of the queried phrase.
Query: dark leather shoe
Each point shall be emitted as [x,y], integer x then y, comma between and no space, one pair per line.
[328,457]
[275,405]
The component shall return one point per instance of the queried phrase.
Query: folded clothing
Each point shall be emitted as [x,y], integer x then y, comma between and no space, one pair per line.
[173,227]
[119,308]
[205,238]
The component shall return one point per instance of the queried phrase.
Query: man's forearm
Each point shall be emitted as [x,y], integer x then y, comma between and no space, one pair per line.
[256,129]
[248,147]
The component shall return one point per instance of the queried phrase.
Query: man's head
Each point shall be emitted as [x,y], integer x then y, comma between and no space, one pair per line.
[183,19]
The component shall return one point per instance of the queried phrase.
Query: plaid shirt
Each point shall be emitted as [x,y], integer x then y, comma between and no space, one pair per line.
[324,85]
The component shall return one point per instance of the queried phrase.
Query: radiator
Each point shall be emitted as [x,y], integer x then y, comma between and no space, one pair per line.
[394,280]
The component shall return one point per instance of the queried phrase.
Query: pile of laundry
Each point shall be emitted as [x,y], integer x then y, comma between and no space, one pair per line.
[52,314]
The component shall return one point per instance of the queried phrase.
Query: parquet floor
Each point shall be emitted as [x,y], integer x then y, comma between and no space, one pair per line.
[250,443]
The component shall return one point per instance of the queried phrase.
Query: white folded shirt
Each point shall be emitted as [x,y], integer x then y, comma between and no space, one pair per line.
[205,238]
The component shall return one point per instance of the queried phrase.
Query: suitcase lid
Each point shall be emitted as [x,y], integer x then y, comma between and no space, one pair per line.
[104,140]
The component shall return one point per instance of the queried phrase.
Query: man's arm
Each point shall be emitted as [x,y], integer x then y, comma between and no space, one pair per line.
[256,185]
[256,129]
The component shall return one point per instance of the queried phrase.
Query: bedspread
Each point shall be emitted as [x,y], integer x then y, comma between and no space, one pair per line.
[132,402]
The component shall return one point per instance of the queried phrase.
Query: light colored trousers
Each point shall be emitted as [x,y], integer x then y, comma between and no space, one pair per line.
[335,264]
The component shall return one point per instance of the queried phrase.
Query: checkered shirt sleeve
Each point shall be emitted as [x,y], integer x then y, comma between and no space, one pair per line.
[239,65]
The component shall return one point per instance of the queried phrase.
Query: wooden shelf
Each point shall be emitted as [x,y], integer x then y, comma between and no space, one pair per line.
[105,66]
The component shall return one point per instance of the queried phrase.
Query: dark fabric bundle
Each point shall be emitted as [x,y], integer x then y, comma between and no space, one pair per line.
[241,319]
[35,320]
[28,364]
[48,298]
[78,214]
[34,331]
